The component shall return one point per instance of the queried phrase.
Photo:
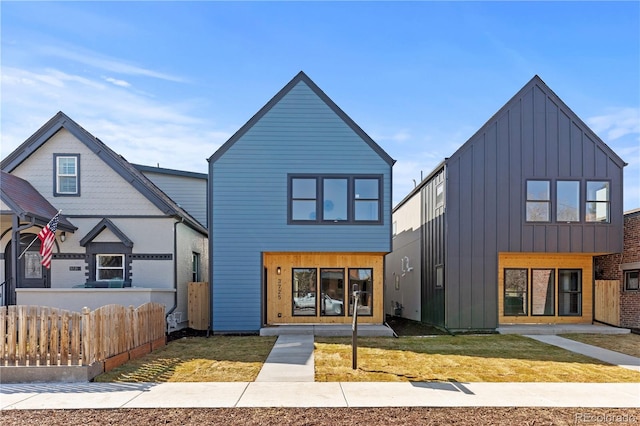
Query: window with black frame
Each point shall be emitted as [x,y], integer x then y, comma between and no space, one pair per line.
[363,278]
[515,292]
[569,292]
[335,199]
[304,291]
[332,292]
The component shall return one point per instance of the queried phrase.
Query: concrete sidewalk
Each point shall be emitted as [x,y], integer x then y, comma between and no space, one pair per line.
[327,394]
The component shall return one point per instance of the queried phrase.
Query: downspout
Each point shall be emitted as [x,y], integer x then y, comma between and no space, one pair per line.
[175,273]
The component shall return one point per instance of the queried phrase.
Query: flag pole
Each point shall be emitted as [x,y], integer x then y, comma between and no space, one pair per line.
[34,240]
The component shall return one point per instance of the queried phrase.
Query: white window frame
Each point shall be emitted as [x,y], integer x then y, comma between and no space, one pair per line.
[102,268]
[59,174]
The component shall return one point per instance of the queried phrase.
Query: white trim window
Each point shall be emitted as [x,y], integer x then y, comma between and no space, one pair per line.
[67,175]
[109,267]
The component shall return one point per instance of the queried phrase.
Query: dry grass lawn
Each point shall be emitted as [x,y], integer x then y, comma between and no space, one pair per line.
[198,359]
[628,344]
[488,358]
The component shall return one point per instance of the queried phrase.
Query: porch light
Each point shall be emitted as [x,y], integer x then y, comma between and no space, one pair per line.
[278,270]
[63,236]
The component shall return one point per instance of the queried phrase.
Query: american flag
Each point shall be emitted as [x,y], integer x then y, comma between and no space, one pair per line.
[47,237]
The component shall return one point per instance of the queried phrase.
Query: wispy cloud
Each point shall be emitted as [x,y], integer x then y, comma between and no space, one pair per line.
[117,82]
[616,123]
[140,127]
[101,62]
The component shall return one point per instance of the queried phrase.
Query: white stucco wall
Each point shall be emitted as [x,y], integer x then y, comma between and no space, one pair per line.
[93,298]
[404,286]
[189,241]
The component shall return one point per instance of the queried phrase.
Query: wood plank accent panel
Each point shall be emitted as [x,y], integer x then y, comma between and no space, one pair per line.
[199,305]
[541,261]
[607,295]
[279,287]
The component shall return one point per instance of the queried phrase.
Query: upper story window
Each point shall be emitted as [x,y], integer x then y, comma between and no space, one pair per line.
[67,174]
[562,200]
[568,201]
[538,201]
[335,199]
[597,208]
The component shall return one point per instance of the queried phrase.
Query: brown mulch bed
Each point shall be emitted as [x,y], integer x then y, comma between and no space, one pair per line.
[326,416]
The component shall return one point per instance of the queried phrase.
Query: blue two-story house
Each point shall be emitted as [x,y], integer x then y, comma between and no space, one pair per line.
[300,212]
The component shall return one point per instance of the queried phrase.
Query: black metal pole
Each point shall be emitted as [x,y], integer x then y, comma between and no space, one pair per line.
[354,330]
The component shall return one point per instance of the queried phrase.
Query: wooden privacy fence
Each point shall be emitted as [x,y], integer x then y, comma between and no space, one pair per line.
[607,302]
[43,336]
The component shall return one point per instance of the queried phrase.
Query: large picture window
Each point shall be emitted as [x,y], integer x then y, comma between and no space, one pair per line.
[335,199]
[332,292]
[567,201]
[538,201]
[67,172]
[543,292]
[515,292]
[569,292]
[363,278]
[597,209]
[109,267]
[304,291]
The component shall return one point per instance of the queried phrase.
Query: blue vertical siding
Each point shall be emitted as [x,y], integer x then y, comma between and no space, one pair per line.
[300,133]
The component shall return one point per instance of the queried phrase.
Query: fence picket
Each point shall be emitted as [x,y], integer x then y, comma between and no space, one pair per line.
[12,335]
[33,334]
[43,349]
[64,338]
[41,336]
[22,335]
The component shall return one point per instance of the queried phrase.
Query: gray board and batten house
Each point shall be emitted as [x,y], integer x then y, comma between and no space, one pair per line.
[121,239]
[300,212]
[187,189]
[506,229]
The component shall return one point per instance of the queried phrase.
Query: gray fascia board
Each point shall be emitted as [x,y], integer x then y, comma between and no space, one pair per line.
[301,77]
[101,226]
[172,172]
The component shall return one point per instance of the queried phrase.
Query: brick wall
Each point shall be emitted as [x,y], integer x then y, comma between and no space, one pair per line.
[608,268]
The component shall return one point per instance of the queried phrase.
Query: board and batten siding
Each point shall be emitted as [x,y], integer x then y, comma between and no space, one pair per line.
[534,136]
[299,134]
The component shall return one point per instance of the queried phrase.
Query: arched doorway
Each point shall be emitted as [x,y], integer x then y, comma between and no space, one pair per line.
[31,273]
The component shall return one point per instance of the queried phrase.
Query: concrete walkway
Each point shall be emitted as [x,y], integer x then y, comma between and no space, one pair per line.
[612,357]
[290,360]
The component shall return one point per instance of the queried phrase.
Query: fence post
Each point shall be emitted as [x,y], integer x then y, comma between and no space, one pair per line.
[86,337]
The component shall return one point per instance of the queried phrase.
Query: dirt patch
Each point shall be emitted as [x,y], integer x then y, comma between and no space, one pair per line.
[407,327]
[326,416]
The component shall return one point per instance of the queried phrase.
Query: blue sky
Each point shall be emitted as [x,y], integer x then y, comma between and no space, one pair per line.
[168,82]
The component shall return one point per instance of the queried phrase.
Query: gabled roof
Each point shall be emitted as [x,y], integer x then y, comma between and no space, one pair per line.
[23,199]
[301,77]
[101,226]
[537,81]
[117,163]
[170,172]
